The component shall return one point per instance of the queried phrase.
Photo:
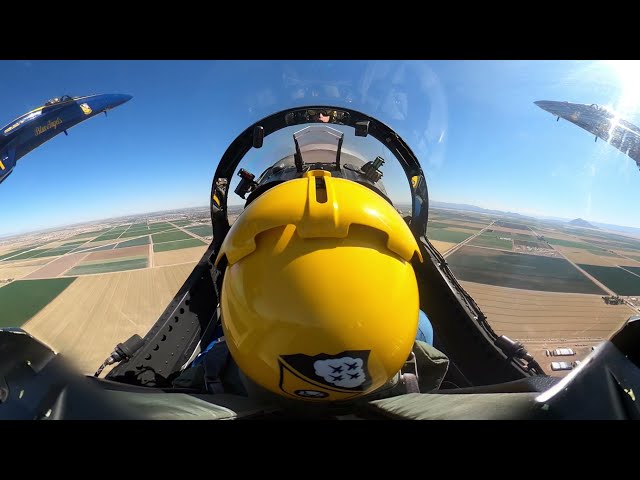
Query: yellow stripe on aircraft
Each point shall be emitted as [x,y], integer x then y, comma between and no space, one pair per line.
[2,165]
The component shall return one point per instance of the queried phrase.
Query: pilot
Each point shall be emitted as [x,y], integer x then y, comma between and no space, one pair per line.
[319,300]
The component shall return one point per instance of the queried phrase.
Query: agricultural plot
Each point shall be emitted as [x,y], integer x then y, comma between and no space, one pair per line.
[526,314]
[97,312]
[109,266]
[579,255]
[22,299]
[514,226]
[530,243]
[56,267]
[170,236]
[442,247]
[15,253]
[573,244]
[517,270]
[201,230]
[617,279]
[15,272]
[182,223]
[93,233]
[635,270]
[164,247]
[184,255]
[122,253]
[132,243]
[443,235]
[493,240]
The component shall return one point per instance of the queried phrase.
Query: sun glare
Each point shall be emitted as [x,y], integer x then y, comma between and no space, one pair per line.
[628,74]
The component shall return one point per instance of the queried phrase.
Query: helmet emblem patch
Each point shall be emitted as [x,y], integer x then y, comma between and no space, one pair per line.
[345,372]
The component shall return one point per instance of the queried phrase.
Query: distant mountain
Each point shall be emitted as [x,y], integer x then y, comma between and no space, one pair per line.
[607,226]
[631,230]
[578,222]
[473,208]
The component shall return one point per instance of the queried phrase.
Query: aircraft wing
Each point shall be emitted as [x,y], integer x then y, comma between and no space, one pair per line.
[601,122]
[36,127]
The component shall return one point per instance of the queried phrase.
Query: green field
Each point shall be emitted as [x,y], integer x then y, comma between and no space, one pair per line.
[136,241]
[129,234]
[109,236]
[493,240]
[431,224]
[54,252]
[90,234]
[201,230]
[635,270]
[163,247]
[515,226]
[621,282]
[170,236]
[181,223]
[75,244]
[98,249]
[517,270]
[442,235]
[109,266]
[30,254]
[22,299]
[15,252]
[584,246]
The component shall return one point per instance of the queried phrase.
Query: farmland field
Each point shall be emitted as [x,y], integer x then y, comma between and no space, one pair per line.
[621,282]
[97,312]
[184,255]
[635,270]
[201,230]
[526,314]
[443,235]
[137,241]
[181,223]
[163,247]
[22,299]
[515,226]
[494,240]
[109,266]
[517,270]
[170,236]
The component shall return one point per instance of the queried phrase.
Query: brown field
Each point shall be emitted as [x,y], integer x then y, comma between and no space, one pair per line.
[442,246]
[534,315]
[16,272]
[26,263]
[140,250]
[99,244]
[510,230]
[96,312]
[476,226]
[184,255]
[58,266]
[627,253]
[464,230]
[577,255]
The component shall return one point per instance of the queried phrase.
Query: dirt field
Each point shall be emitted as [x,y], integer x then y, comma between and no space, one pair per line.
[57,267]
[185,255]
[442,246]
[534,315]
[16,272]
[97,312]
[118,253]
[464,230]
[26,263]
[578,255]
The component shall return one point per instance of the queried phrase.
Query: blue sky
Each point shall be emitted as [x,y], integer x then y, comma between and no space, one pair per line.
[473,124]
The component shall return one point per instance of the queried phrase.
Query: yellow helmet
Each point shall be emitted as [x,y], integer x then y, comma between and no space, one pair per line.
[319,300]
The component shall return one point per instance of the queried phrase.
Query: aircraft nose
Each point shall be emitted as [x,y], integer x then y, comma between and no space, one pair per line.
[119,99]
[550,106]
